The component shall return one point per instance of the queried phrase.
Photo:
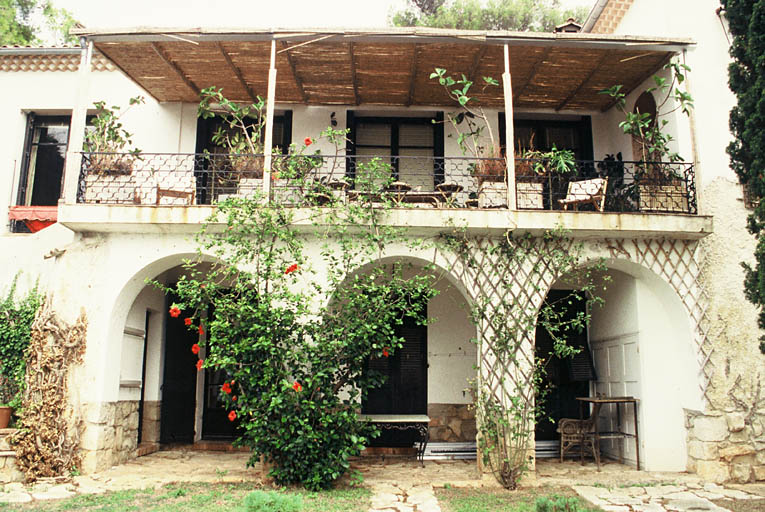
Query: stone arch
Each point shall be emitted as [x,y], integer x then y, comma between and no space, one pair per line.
[642,342]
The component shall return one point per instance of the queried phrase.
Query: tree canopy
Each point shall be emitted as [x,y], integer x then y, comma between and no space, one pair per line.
[746,78]
[519,15]
[25,22]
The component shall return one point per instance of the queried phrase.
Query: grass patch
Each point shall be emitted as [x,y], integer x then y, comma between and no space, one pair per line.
[195,497]
[523,500]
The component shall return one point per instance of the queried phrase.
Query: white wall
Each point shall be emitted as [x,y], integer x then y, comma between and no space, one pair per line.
[451,351]
[642,347]
[708,59]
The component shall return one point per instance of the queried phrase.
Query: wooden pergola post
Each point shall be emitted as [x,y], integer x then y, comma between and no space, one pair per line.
[73,162]
[509,132]
[268,138]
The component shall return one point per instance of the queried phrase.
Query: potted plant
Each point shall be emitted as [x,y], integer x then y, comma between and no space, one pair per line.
[475,137]
[239,136]
[109,160]
[660,186]
[535,168]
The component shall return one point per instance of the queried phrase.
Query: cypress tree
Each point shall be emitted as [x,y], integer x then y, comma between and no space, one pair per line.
[746,78]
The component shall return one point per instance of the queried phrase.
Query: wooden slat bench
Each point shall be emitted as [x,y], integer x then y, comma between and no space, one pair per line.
[418,422]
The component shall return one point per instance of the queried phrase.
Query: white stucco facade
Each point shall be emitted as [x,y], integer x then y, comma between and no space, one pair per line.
[654,339]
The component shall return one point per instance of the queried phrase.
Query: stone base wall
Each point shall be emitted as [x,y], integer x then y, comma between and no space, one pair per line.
[726,446]
[9,472]
[110,436]
[150,422]
[451,423]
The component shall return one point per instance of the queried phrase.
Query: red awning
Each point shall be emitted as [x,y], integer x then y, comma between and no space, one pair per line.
[35,217]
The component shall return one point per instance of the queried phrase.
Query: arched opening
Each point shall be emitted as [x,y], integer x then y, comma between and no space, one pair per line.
[163,398]
[431,373]
[641,346]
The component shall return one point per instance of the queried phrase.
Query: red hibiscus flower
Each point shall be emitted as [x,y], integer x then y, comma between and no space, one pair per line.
[232,416]
[199,364]
[201,329]
[274,176]
[234,398]
[307,141]
[175,311]
[292,268]
[195,349]
[385,352]
[297,387]
[226,388]
[187,321]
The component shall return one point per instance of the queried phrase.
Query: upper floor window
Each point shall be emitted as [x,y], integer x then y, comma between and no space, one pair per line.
[42,168]
[416,141]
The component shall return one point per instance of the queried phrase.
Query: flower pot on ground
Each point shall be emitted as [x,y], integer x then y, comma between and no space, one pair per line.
[5,416]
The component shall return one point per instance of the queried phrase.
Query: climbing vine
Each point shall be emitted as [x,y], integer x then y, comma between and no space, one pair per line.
[16,317]
[47,443]
[510,277]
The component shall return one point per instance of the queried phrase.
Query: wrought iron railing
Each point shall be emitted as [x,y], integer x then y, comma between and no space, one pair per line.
[406,181]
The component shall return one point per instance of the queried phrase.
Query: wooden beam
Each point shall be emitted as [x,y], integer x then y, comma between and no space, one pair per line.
[583,82]
[477,62]
[639,81]
[356,97]
[534,69]
[191,85]
[507,90]
[237,72]
[269,136]
[295,76]
[412,74]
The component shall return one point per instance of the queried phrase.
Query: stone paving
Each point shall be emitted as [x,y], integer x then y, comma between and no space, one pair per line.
[402,485]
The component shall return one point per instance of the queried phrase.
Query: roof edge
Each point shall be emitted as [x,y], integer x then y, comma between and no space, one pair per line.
[194,35]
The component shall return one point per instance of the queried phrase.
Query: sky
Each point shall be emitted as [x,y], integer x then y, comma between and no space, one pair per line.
[239,13]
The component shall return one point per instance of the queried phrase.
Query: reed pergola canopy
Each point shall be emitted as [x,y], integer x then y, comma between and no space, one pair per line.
[560,71]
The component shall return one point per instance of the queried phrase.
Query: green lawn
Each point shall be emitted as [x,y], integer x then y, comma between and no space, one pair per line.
[194,497]
[495,500]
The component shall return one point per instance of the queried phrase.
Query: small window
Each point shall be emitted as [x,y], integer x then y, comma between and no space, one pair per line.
[43,163]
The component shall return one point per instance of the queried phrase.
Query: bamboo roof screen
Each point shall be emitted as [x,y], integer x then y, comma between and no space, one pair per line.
[552,71]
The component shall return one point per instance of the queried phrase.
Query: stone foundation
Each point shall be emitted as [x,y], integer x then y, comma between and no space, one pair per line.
[110,436]
[150,422]
[726,446]
[9,472]
[451,423]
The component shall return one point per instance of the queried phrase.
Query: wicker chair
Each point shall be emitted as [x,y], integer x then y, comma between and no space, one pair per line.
[575,432]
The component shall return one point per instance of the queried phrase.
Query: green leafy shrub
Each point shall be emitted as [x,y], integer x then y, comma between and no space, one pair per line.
[272,501]
[293,333]
[16,317]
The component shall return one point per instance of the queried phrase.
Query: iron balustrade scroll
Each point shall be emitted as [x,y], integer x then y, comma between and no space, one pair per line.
[411,181]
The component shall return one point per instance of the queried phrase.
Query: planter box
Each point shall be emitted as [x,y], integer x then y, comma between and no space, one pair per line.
[663,198]
[110,188]
[530,195]
[492,195]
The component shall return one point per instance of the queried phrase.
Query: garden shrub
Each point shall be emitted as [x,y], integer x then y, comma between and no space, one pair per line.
[294,333]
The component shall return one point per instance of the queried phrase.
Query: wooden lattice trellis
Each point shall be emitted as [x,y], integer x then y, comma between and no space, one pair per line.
[676,261]
[509,280]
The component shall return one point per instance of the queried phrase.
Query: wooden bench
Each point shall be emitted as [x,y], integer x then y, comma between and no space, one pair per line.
[418,422]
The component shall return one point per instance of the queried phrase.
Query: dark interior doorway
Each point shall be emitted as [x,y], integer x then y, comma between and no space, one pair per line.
[179,382]
[565,378]
[215,422]
[405,390]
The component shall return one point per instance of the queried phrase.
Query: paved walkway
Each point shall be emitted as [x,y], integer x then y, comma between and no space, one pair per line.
[404,486]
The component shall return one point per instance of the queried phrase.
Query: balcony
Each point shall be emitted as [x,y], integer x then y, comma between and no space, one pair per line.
[166,179]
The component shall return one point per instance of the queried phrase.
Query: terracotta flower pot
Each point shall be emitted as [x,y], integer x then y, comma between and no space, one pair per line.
[5,416]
